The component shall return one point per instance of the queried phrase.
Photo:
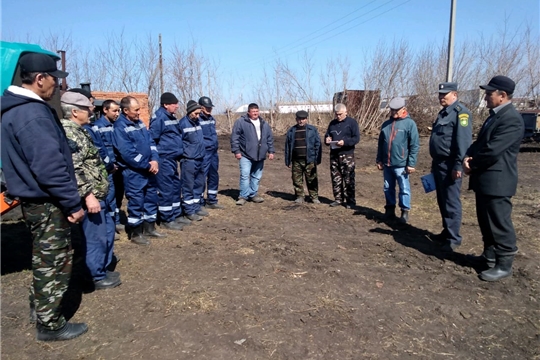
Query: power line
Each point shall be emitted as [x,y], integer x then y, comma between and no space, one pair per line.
[277,54]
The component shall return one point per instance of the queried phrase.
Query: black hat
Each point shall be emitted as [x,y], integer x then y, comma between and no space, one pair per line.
[302,114]
[447,87]
[206,102]
[168,98]
[192,106]
[42,63]
[500,82]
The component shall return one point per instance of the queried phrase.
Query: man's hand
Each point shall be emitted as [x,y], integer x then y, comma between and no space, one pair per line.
[76,217]
[154,167]
[380,166]
[328,139]
[340,143]
[270,156]
[92,204]
[238,156]
[409,169]
[467,166]
[456,174]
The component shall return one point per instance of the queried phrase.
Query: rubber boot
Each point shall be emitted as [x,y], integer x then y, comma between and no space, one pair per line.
[389,212]
[485,261]
[502,269]
[67,332]
[137,236]
[149,229]
[404,216]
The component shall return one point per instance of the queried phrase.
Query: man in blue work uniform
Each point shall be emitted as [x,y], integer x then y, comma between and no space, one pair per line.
[166,134]
[211,158]
[137,155]
[104,125]
[451,136]
[191,163]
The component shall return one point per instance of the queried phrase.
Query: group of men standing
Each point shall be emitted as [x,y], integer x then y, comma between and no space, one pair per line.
[64,170]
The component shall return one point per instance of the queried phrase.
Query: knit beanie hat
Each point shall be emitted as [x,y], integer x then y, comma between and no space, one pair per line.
[192,106]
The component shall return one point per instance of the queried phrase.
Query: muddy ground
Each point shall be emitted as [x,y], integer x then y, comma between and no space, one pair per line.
[279,280]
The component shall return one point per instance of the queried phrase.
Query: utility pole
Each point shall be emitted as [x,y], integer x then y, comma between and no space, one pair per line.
[160,66]
[450,62]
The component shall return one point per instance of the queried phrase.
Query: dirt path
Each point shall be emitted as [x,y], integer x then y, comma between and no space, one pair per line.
[279,280]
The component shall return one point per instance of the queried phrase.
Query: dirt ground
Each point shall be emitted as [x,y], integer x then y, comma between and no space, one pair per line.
[279,280]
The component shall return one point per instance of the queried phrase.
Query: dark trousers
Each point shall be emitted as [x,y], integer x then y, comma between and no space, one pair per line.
[211,177]
[192,174]
[142,195]
[448,198]
[118,192]
[169,186]
[494,218]
[343,182]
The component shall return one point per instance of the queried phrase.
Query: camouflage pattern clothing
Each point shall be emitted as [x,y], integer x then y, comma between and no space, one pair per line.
[90,170]
[52,258]
[342,169]
[299,168]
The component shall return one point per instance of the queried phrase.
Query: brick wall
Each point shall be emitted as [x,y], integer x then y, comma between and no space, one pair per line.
[117,96]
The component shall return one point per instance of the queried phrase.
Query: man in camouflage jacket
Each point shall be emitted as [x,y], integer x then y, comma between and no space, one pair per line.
[92,184]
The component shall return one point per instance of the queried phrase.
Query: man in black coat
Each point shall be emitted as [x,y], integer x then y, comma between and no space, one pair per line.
[491,161]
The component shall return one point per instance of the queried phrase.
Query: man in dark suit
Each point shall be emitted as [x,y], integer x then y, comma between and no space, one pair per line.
[491,161]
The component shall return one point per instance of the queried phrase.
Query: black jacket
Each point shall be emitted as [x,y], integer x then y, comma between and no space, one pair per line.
[494,154]
[36,159]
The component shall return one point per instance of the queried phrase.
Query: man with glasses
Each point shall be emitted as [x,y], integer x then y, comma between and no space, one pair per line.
[397,153]
[93,185]
[37,164]
[342,136]
[491,161]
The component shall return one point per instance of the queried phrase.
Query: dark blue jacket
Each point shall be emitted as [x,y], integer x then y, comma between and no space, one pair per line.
[165,131]
[192,138]
[313,145]
[106,130]
[133,145]
[208,124]
[451,135]
[244,139]
[36,158]
[94,133]
[346,130]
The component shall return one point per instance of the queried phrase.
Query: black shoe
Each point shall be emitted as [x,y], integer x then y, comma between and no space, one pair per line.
[194,217]
[450,247]
[501,270]
[183,220]
[67,332]
[335,203]
[484,261]
[215,206]
[149,229]
[173,225]
[389,212]
[439,238]
[350,206]
[137,236]
[108,282]
[404,216]
[203,212]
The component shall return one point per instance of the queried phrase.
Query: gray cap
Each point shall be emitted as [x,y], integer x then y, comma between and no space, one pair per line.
[75,98]
[446,87]
[397,103]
